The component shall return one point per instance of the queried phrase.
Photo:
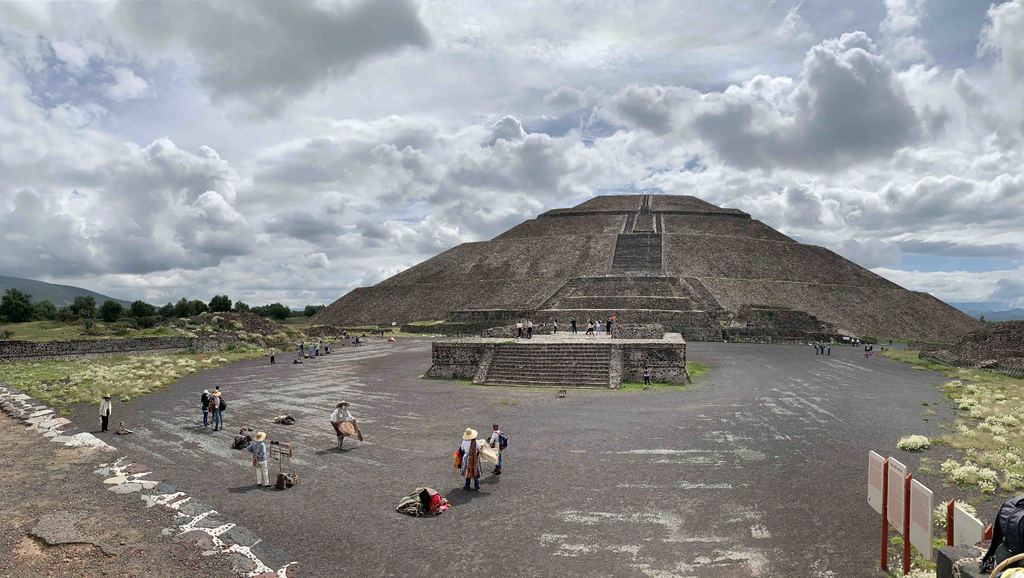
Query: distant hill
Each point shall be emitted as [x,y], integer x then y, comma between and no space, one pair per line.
[59,295]
[987,311]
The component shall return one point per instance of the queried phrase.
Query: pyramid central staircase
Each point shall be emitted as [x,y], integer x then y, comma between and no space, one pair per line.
[565,364]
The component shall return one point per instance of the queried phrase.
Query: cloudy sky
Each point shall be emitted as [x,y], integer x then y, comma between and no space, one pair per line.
[293,151]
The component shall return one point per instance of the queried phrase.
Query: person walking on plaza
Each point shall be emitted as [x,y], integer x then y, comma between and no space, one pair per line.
[829,348]
[470,462]
[105,412]
[647,377]
[217,406]
[499,442]
[204,401]
[340,416]
[270,352]
[572,325]
[258,449]
[529,329]
[519,329]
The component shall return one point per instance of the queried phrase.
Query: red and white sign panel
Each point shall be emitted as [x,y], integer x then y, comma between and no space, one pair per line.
[876,468]
[966,528]
[897,475]
[921,509]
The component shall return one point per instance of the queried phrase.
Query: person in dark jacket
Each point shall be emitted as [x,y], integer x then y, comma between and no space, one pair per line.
[204,401]
[216,405]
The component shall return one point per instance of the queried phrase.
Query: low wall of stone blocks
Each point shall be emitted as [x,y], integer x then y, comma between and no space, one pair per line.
[637,331]
[22,350]
[457,360]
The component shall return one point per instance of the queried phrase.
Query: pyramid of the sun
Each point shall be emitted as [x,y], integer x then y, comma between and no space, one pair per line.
[676,260]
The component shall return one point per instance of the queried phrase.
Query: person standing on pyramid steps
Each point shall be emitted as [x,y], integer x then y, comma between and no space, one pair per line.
[529,329]
[572,325]
[519,329]
[554,327]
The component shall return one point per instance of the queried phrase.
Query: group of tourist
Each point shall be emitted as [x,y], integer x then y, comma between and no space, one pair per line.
[594,326]
[524,330]
[821,348]
[213,404]
[311,349]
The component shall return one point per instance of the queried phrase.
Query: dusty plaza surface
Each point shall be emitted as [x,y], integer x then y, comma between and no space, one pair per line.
[758,470]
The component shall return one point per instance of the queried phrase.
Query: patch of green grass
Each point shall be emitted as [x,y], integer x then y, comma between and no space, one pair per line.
[62,383]
[696,370]
[42,331]
[425,323]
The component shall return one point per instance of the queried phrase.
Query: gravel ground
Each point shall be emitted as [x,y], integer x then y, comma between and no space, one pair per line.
[51,491]
[758,470]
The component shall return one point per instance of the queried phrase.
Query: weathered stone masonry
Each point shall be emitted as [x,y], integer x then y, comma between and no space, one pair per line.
[19,350]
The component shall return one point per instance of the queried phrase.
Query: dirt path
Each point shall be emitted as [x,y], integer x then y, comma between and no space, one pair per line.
[51,491]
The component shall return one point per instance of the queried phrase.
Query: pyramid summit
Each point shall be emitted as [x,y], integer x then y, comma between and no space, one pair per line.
[676,260]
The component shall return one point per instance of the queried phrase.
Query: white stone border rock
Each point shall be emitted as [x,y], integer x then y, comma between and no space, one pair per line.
[122,477]
[44,420]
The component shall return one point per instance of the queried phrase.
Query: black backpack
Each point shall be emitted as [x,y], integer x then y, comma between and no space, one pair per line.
[223,405]
[1007,534]
[502,441]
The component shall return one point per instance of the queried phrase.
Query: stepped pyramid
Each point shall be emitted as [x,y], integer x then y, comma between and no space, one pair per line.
[671,259]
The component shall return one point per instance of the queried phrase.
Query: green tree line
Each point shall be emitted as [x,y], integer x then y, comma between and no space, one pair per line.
[17,307]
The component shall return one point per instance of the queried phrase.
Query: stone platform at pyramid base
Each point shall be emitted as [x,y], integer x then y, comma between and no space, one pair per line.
[560,360]
[750,324]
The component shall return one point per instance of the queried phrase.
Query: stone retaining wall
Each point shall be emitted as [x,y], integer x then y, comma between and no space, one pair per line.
[637,331]
[20,350]
[469,360]
[667,361]
[457,360]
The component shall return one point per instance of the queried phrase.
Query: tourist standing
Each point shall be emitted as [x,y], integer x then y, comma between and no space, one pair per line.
[499,442]
[105,408]
[647,377]
[217,406]
[554,327]
[529,329]
[590,328]
[608,326]
[341,415]
[470,453]
[204,401]
[258,449]
[270,352]
[829,348]
[572,325]
[519,329]
[302,348]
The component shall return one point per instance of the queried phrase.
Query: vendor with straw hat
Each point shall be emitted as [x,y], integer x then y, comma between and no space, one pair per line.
[469,451]
[258,449]
[344,424]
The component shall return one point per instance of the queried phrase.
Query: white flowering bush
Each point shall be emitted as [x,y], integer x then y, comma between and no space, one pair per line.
[913,443]
[939,514]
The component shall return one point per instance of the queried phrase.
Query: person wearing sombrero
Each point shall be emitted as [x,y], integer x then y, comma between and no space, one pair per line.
[469,453]
[344,424]
[258,449]
[105,408]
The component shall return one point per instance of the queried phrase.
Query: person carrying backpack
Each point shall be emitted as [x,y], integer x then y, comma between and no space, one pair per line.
[217,407]
[498,441]
[1007,538]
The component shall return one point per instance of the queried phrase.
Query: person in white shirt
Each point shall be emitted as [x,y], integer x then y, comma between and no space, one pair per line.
[495,441]
[519,329]
[339,416]
[105,408]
